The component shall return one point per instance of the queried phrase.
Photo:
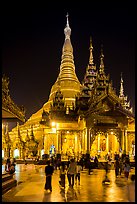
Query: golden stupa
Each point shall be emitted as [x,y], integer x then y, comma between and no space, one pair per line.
[87,118]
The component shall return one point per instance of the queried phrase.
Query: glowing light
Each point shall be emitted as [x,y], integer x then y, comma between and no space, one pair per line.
[42,152]
[53,124]
[111,133]
[2,153]
[53,127]
[54,130]
[67,131]
[16,153]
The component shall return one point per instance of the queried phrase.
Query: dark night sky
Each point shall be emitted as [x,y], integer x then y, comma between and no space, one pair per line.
[33,39]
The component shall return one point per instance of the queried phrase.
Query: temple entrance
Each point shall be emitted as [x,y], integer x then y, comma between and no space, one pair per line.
[70,144]
[105,145]
[52,150]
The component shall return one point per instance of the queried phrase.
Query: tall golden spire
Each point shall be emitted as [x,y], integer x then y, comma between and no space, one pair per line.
[67,79]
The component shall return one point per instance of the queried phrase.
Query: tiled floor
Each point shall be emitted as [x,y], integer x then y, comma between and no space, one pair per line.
[31,180]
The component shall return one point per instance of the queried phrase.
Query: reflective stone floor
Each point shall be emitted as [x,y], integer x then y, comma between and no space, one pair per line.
[31,180]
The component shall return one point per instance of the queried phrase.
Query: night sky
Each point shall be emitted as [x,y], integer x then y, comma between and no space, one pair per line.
[33,39]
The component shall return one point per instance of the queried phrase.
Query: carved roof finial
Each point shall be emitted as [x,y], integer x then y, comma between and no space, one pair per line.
[101,69]
[121,87]
[91,54]
[67,20]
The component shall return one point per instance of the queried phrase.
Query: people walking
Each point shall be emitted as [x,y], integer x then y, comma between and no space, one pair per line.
[48,171]
[71,172]
[116,165]
[126,169]
[62,175]
[106,179]
[82,162]
[96,162]
[89,166]
[78,170]
[120,166]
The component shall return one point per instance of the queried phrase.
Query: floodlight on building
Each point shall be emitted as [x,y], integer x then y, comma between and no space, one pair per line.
[111,133]
[53,124]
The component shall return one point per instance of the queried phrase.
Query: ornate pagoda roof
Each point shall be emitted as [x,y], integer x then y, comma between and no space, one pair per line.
[9,109]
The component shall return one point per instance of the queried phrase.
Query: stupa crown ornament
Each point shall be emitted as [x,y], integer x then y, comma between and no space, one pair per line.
[67,30]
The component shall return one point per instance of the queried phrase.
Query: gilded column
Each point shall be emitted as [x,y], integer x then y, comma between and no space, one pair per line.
[123,141]
[76,142]
[46,151]
[98,142]
[59,142]
[88,141]
[57,135]
[84,141]
[126,142]
[107,144]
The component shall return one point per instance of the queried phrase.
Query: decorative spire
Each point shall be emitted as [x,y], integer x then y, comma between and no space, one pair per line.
[67,30]
[101,68]
[121,95]
[124,100]
[91,54]
[90,75]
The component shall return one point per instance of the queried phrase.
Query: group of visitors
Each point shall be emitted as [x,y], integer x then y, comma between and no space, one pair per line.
[122,166]
[72,171]
[10,166]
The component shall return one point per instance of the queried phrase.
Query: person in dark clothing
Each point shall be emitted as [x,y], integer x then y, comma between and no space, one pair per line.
[106,179]
[116,168]
[48,171]
[89,166]
[96,162]
[8,165]
[62,175]
[12,167]
[82,163]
